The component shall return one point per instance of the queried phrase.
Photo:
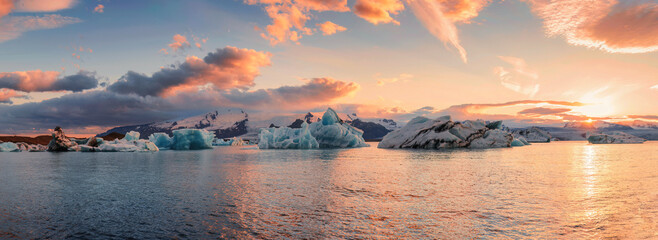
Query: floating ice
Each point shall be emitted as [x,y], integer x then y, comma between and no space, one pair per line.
[123,145]
[331,132]
[131,136]
[192,139]
[8,147]
[287,138]
[614,138]
[422,132]
[162,140]
[533,134]
[221,142]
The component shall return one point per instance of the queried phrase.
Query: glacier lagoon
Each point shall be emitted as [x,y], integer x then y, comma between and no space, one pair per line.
[545,190]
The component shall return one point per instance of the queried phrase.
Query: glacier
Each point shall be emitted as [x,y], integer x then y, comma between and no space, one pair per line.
[192,139]
[443,133]
[330,132]
[615,137]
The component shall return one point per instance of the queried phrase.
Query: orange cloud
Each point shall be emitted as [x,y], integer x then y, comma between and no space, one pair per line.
[315,92]
[179,42]
[378,11]
[99,9]
[226,68]
[628,27]
[462,10]
[43,5]
[7,94]
[5,7]
[289,17]
[330,28]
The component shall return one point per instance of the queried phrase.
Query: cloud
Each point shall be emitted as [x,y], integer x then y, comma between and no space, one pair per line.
[7,94]
[40,81]
[543,111]
[431,14]
[94,108]
[13,27]
[403,77]
[378,11]
[99,9]
[179,42]
[315,91]
[520,78]
[330,28]
[609,25]
[289,17]
[462,10]
[43,5]
[647,117]
[101,108]
[225,68]
[5,7]
[654,87]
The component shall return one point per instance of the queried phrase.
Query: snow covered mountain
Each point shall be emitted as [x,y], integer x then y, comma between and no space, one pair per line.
[234,122]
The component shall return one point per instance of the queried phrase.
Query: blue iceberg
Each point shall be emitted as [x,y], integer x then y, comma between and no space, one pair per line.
[162,140]
[287,138]
[192,139]
[331,132]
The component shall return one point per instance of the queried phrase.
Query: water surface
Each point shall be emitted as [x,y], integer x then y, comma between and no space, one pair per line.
[557,190]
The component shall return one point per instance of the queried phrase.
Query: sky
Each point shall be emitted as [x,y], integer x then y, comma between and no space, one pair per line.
[92,65]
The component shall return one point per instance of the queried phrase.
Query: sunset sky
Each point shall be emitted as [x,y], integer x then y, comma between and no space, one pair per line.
[91,65]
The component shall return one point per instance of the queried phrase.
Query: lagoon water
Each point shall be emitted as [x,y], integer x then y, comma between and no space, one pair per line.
[559,190]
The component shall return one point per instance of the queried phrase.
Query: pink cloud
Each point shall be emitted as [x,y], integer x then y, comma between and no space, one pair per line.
[179,42]
[43,5]
[330,28]
[99,9]
[378,11]
[7,94]
[609,25]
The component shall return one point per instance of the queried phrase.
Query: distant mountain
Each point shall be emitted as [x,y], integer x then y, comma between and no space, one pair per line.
[234,122]
[224,123]
[597,125]
[639,124]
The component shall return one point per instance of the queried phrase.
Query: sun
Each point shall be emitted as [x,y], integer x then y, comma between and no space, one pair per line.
[589,120]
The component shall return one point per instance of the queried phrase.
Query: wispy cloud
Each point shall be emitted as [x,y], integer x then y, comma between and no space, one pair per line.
[519,78]
[401,78]
[13,27]
[609,25]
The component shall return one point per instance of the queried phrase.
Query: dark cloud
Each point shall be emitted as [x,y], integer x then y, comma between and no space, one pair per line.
[226,68]
[95,108]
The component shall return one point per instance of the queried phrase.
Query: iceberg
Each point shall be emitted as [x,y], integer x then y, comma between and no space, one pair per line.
[9,147]
[162,140]
[60,143]
[123,145]
[192,139]
[532,134]
[614,138]
[331,132]
[222,142]
[287,138]
[131,136]
[443,133]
